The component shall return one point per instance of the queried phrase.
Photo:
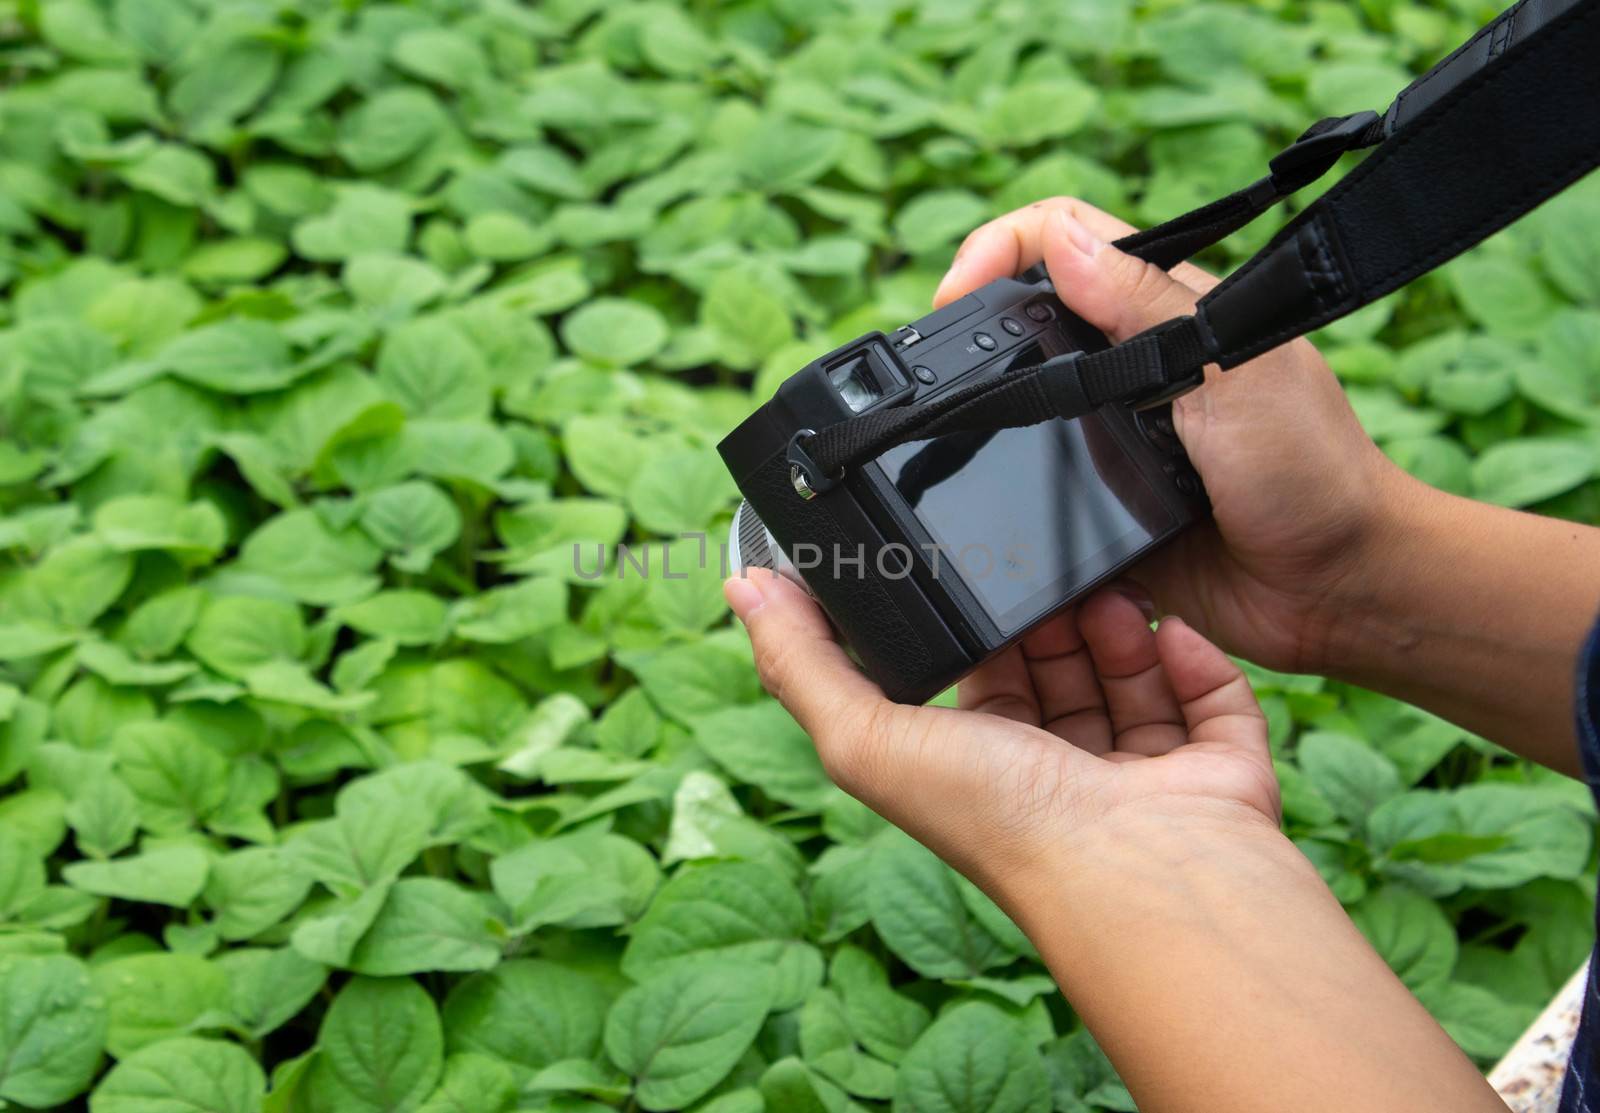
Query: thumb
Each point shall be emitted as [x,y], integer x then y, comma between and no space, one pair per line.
[1115,292]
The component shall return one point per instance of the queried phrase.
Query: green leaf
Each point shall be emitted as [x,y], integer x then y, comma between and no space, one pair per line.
[173,173]
[1499,293]
[1487,836]
[513,612]
[243,259]
[505,237]
[1522,472]
[362,846]
[792,1085]
[52,1030]
[680,492]
[1483,1024]
[707,822]
[1351,775]
[918,911]
[828,1044]
[1565,378]
[154,997]
[364,219]
[393,284]
[388,127]
[413,521]
[382,1048]
[182,1075]
[117,667]
[693,679]
[170,875]
[529,1013]
[784,154]
[71,587]
[236,633]
[433,371]
[749,321]
[235,357]
[178,780]
[253,889]
[409,617]
[473,1084]
[22,875]
[760,744]
[614,332]
[580,880]
[1411,932]
[935,219]
[1031,113]
[440,55]
[138,522]
[884,1021]
[427,924]
[734,912]
[104,815]
[679,1033]
[310,560]
[974,1059]
[331,937]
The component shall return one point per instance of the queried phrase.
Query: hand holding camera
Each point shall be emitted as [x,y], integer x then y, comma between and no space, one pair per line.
[1300,495]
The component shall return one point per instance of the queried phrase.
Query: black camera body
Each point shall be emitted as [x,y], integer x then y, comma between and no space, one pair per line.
[941,553]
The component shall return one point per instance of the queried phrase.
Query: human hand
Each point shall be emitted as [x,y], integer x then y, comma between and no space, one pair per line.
[1300,494]
[1092,719]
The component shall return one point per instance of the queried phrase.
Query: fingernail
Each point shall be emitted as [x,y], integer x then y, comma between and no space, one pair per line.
[1134,592]
[744,598]
[1080,236]
[1146,605]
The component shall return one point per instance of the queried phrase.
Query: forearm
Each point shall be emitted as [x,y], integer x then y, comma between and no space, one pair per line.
[1218,972]
[1474,612]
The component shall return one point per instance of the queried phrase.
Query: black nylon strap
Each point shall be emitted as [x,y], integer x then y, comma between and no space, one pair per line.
[1312,155]
[1503,123]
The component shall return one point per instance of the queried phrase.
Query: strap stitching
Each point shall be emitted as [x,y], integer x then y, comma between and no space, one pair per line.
[1504,32]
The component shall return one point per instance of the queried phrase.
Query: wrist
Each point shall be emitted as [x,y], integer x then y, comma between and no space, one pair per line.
[1152,857]
[1356,615]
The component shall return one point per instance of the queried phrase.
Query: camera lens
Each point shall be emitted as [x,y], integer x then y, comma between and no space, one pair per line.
[855,384]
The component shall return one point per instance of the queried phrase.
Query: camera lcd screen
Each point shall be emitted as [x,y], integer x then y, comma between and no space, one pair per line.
[1027,517]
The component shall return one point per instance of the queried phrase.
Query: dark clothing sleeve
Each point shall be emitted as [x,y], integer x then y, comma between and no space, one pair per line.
[1581,1094]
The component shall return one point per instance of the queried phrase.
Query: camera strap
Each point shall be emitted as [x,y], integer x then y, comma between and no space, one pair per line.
[1505,122]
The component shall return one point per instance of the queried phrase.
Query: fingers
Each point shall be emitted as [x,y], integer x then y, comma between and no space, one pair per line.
[1070,703]
[1217,702]
[1012,243]
[1001,686]
[1144,711]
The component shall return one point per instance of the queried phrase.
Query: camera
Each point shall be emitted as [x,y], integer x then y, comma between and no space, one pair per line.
[941,553]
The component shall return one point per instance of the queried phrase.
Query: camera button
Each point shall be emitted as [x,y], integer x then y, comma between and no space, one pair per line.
[1011,326]
[985,341]
[1189,484]
[1039,311]
[924,375]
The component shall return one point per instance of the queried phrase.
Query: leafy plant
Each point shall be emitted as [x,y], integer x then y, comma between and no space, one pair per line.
[331,780]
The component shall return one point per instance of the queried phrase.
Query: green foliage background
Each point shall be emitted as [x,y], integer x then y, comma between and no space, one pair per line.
[327,328]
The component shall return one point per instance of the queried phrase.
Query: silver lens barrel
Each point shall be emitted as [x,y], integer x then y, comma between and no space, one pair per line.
[751,545]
